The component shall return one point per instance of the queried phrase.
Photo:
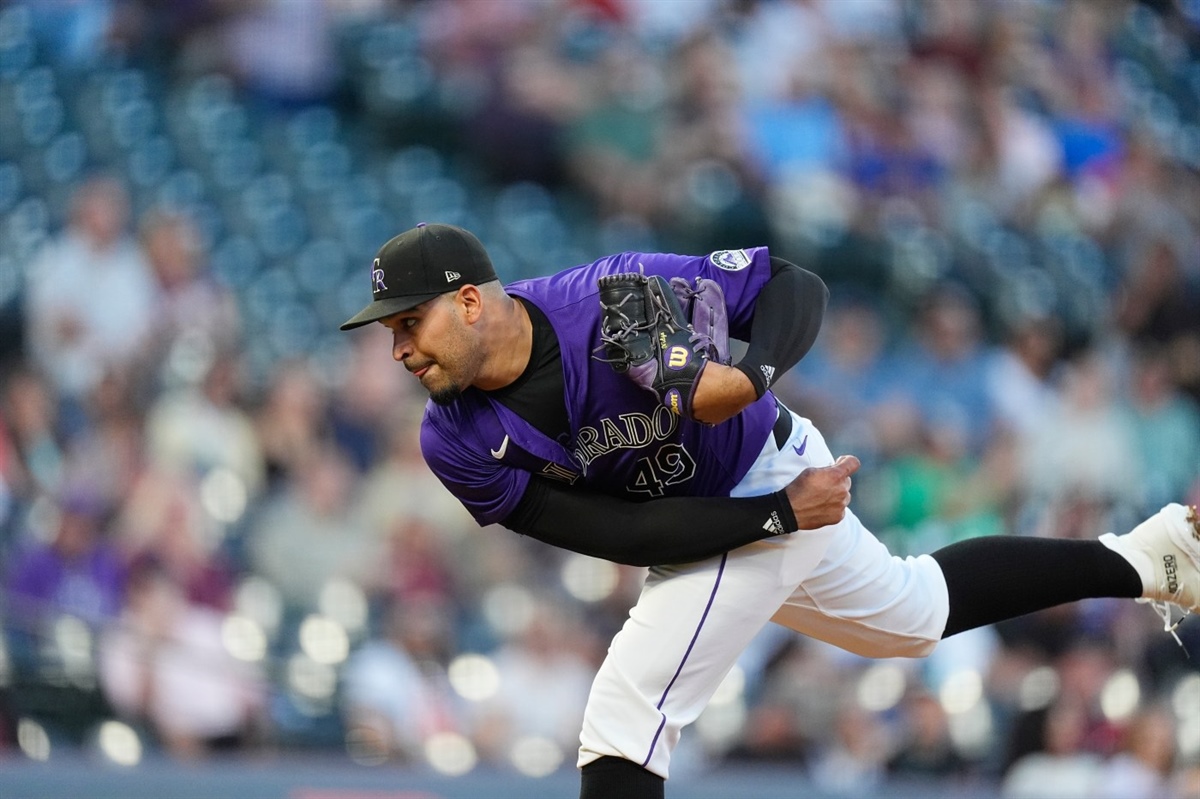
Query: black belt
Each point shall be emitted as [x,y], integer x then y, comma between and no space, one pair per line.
[783,425]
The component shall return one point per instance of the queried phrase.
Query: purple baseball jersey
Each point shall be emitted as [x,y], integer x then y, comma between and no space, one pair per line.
[622,441]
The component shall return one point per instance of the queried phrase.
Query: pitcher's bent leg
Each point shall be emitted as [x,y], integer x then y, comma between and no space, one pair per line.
[863,599]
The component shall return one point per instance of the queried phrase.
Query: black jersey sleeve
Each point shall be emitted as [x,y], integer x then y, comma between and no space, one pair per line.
[659,532]
[787,318]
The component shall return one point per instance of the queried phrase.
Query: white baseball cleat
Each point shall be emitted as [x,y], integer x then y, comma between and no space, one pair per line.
[1165,549]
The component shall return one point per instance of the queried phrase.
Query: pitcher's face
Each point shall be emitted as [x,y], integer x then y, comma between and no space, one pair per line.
[434,343]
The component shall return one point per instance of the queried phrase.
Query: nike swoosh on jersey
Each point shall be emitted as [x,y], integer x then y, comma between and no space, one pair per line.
[799,449]
[499,453]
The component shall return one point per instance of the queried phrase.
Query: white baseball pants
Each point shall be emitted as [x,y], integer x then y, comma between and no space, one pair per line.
[838,584]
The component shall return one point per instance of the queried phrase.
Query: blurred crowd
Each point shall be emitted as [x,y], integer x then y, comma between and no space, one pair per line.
[216,530]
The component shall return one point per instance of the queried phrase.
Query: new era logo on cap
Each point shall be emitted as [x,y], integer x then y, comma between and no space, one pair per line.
[420,264]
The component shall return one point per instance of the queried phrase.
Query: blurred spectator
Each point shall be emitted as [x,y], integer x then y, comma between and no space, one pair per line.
[938,492]
[1085,447]
[771,735]
[76,573]
[291,421]
[200,429]
[1058,768]
[1084,670]
[371,399]
[1142,766]
[89,295]
[548,657]
[282,51]
[74,33]
[791,709]
[1006,681]
[312,532]
[180,37]
[164,666]
[400,488]
[944,369]
[794,128]
[194,317]
[779,46]
[163,522]
[925,749]
[1156,303]
[1145,206]
[850,762]
[712,188]
[513,88]
[612,145]
[897,149]
[1021,373]
[1020,153]
[420,560]
[1166,426]
[1080,93]
[29,412]
[515,132]
[845,377]
[396,691]
[108,453]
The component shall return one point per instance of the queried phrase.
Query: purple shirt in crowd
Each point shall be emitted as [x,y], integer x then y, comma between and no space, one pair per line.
[89,586]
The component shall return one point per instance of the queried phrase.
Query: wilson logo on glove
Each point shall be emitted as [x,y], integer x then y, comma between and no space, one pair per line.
[677,358]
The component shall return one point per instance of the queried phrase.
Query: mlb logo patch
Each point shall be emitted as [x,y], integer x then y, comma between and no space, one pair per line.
[730,260]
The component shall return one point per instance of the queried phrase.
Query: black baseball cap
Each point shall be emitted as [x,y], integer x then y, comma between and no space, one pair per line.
[420,264]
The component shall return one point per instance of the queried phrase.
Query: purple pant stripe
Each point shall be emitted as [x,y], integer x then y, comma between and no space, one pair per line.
[711,597]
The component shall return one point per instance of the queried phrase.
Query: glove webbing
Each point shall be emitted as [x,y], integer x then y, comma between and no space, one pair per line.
[701,340]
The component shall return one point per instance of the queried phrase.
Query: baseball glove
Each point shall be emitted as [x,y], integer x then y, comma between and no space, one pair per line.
[647,335]
[705,308]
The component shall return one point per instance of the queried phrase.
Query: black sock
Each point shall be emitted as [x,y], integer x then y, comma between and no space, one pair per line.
[615,778]
[994,578]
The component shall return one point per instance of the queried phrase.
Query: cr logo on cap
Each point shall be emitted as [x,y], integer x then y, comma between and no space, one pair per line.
[377,277]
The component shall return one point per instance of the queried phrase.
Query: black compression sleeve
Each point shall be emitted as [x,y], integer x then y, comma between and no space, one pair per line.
[659,532]
[787,318]
[993,578]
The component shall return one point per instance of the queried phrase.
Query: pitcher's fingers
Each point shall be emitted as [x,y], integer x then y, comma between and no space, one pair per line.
[848,464]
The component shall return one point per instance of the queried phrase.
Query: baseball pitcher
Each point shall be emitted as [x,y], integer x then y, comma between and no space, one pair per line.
[597,410]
